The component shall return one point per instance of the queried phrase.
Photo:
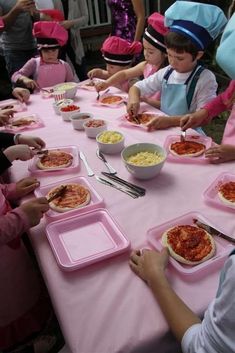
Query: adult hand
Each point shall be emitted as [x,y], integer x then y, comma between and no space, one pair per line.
[25,5]
[34,209]
[67,24]
[32,141]
[5,115]
[22,94]
[25,186]
[221,154]
[22,152]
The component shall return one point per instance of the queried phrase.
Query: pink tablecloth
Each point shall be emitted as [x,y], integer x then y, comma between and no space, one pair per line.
[105,308]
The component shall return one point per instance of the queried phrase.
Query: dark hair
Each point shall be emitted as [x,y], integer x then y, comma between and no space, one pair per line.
[180,44]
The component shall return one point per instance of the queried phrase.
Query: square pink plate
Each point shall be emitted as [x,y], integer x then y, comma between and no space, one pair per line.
[36,124]
[223,247]
[83,240]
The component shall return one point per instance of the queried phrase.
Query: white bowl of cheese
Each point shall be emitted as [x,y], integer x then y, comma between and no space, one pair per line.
[110,141]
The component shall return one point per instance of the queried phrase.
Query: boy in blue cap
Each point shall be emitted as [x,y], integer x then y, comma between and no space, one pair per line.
[185,86]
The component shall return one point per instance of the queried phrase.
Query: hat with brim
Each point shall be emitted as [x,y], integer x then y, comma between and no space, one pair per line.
[49,34]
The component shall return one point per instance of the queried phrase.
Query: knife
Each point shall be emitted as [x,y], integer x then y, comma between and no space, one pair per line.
[58,193]
[102,157]
[213,231]
[106,182]
[88,168]
[138,189]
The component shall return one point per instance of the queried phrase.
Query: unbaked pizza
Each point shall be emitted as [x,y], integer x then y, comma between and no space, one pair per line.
[187,148]
[141,119]
[23,121]
[189,244]
[226,193]
[111,100]
[74,196]
[55,159]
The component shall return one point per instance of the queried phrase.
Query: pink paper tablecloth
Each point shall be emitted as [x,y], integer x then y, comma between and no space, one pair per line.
[105,308]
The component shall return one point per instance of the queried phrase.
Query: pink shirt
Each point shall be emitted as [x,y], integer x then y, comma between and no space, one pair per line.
[149,70]
[44,74]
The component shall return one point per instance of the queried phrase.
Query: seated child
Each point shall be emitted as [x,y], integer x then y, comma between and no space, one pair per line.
[185,85]
[118,54]
[154,53]
[46,70]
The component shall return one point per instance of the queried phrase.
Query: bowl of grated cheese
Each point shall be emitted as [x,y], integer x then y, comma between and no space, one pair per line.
[144,160]
[110,141]
[70,89]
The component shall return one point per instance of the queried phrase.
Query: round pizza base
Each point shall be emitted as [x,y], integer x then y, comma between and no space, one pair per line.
[196,154]
[66,209]
[66,165]
[182,259]
[225,201]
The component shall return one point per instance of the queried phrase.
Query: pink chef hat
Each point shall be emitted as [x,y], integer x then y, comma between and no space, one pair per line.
[56,15]
[1,23]
[118,51]
[155,31]
[49,34]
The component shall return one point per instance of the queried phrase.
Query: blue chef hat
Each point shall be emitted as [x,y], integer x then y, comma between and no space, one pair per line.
[201,23]
[226,50]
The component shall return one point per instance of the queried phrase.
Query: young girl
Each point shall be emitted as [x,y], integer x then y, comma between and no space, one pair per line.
[225,101]
[118,54]
[46,70]
[155,57]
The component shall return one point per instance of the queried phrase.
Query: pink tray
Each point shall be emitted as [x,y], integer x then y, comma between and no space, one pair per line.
[35,125]
[83,240]
[125,122]
[207,141]
[116,105]
[95,202]
[17,105]
[211,193]
[83,85]
[73,150]
[223,248]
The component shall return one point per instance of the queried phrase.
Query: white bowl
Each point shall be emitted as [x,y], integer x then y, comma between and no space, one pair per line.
[70,89]
[60,104]
[110,141]
[140,171]
[78,120]
[66,115]
[93,131]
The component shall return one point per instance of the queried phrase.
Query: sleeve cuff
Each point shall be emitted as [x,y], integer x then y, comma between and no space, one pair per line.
[186,342]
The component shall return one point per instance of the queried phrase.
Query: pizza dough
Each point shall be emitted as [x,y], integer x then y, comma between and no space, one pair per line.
[189,244]
[111,100]
[24,121]
[141,119]
[55,159]
[226,193]
[74,196]
[187,148]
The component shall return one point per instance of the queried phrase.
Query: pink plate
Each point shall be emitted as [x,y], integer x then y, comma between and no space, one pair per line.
[109,105]
[73,150]
[211,193]
[223,248]
[85,84]
[127,123]
[207,141]
[36,123]
[95,202]
[13,104]
[83,240]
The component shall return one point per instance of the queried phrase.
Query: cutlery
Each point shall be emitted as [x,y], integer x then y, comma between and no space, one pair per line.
[88,168]
[58,193]
[182,136]
[98,96]
[106,182]
[213,231]
[141,191]
[42,152]
[102,157]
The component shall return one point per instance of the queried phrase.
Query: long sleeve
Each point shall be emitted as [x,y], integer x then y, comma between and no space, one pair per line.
[27,70]
[151,84]
[78,9]
[6,139]
[4,163]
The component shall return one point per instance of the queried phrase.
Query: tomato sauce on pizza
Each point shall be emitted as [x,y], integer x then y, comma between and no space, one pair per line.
[187,148]
[141,118]
[227,190]
[23,122]
[55,159]
[111,100]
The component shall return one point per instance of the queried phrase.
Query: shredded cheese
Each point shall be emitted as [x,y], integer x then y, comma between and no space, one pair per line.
[145,158]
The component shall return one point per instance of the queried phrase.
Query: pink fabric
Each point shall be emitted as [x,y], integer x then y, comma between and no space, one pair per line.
[117,45]
[55,15]
[124,86]
[46,75]
[105,307]
[149,70]
[156,20]
[1,23]
[51,30]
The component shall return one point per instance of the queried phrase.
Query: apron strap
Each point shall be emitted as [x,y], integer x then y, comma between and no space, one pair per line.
[167,74]
[197,72]
[232,253]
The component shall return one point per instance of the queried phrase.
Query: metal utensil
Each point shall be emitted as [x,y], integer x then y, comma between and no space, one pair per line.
[58,193]
[42,152]
[213,231]
[88,168]
[102,157]
[141,191]
[98,96]
[183,136]
[106,182]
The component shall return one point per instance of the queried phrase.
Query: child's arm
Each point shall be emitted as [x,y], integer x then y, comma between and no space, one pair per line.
[163,122]
[22,76]
[133,104]
[98,73]
[221,154]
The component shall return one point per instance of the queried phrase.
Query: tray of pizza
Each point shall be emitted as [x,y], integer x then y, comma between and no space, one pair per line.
[86,239]
[192,150]
[197,255]
[140,121]
[23,122]
[78,197]
[89,85]
[221,193]
[57,159]
[13,104]
[110,100]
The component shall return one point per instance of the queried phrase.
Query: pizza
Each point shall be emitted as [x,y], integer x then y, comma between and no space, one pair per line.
[141,119]
[55,159]
[111,100]
[24,121]
[189,244]
[187,148]
[74,196]
[226,193]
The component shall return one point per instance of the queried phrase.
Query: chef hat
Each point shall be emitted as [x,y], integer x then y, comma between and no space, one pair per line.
[118,51]
[155,31]
[226,51]
[201,23]
[55,15]
[1,23]
[49,34]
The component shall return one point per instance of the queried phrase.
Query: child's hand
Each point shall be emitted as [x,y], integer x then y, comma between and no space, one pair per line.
[5,115]
[159,122]
[25,186]
[95,73]
[22,152]
[101,86]
[22,94]
[133,108]
[149,264]
[35,209]
[193,120]
[221,154]
[32,141]
[28,82]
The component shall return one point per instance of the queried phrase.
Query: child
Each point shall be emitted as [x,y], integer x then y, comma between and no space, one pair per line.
[154,52]
[118,54]
[46,70]
[184,85]
[225,101]
[215,333]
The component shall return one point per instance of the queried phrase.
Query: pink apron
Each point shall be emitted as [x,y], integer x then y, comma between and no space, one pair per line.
[229,131]
[149,70]
[49,74]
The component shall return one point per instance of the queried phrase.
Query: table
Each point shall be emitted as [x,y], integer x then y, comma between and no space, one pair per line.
[105,308]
